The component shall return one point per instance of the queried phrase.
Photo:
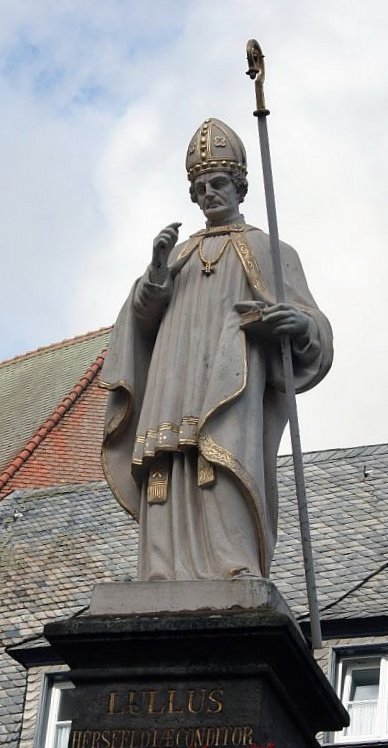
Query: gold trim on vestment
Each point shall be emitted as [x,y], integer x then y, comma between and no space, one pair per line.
[121,418]
[188,247]
[251,267]
[188,431]
[213,452]
[107,386]
[206,472]
[116,493]
[234,394]
[217,230]
[166,426]
[167,437]
[115,431]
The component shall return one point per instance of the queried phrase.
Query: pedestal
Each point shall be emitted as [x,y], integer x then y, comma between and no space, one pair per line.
[227,668]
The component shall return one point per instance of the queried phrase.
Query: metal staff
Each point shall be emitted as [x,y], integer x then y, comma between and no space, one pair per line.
[256,72]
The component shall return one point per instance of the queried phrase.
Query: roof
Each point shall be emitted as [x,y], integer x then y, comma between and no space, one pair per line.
[347,493]
[89,536]
[32,385]
[58,542]
[66,447]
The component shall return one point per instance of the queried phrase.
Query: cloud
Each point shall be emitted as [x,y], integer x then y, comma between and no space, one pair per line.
[99,103]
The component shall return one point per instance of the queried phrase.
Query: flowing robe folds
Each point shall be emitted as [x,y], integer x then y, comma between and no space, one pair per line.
[194,378]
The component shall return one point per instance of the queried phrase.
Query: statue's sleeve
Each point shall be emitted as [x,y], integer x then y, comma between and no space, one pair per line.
[304,353]
[313,359]
[150,301]
[124,375]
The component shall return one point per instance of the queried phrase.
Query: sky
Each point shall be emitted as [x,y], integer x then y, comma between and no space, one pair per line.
[99,101]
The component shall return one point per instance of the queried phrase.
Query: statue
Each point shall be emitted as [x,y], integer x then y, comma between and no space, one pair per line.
[196,406]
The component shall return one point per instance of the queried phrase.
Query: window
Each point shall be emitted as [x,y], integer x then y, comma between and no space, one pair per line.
[362,685]
[60,701]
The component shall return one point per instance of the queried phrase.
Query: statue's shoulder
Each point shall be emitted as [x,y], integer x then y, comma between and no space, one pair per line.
[254,233]
[260,240]
[257,239]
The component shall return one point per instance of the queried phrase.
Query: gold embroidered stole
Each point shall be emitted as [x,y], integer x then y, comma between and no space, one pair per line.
[159,473]
[239,240]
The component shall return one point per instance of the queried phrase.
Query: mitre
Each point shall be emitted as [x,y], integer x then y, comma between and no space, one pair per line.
[215,147]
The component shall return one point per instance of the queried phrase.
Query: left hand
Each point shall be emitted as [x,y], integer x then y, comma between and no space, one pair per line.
[286,319]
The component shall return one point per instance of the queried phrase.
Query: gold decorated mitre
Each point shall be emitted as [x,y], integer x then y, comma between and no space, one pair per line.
[215,147]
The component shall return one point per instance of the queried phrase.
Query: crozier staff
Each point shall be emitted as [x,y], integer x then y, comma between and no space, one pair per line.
[196,407]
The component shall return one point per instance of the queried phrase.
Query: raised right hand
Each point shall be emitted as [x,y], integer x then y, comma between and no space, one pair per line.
[163,244]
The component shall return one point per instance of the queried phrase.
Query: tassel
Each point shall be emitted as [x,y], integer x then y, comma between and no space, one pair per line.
[157,489]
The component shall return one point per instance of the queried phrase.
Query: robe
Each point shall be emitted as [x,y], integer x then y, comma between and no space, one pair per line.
[196,404]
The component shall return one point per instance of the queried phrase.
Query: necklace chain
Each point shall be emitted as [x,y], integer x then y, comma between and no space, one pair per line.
[209,265]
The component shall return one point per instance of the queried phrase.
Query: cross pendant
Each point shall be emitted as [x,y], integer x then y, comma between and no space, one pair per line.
[208,269]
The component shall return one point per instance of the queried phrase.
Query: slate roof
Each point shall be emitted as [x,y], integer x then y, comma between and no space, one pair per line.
[57,543]
[348,507]
[33,385]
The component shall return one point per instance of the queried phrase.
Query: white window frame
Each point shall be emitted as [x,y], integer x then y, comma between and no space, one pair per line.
[346,664]
[55,689]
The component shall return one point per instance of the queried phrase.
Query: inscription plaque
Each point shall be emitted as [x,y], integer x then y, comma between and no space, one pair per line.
[224,680]
[192,714]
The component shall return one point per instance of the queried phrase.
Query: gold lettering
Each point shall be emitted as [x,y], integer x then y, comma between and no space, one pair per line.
[112,704]
[133,707]
[190,705]
[215,696]
[167,739]
[87,735]
[96,736]
[173,708]
[151,706]
[210,735]
[77,735]
[117,734]
[144,739]
[247,735]
[198,736]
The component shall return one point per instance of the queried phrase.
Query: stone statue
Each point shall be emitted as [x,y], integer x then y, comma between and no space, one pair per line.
[196,407]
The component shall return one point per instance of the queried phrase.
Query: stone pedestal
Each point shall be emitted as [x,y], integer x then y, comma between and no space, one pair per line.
[189,665]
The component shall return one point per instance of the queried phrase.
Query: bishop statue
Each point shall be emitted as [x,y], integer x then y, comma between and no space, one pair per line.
[196,406]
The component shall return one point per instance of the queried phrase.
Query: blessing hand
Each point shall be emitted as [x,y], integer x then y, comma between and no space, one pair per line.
[164,243]
[162,246]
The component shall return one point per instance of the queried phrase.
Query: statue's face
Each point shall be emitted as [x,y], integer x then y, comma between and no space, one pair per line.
[217,196]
